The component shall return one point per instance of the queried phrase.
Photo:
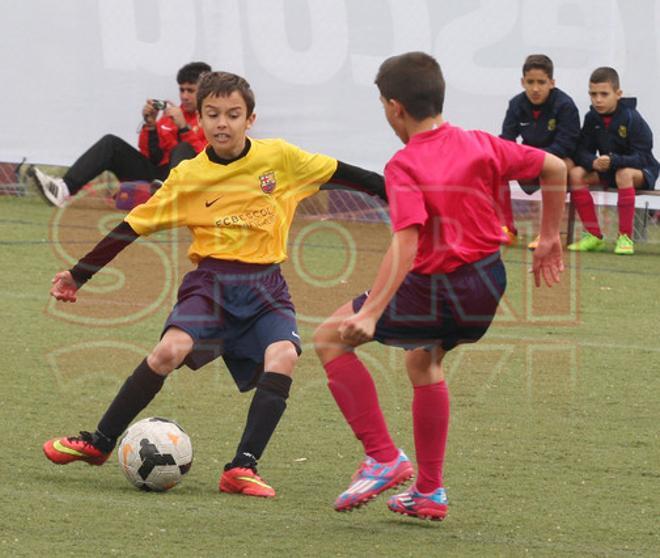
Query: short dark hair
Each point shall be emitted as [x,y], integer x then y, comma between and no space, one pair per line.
[223,84]
[415,80]
[190,72]
[538,62]
[605,74]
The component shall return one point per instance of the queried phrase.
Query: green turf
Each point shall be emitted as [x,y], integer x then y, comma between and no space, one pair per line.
[553,447]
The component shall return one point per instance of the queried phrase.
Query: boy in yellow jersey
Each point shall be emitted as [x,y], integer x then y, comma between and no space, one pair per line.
[238,198]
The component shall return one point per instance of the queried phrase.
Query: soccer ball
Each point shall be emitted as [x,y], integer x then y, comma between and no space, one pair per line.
[154,454]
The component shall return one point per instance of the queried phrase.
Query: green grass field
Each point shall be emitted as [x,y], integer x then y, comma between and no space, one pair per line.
[553,448]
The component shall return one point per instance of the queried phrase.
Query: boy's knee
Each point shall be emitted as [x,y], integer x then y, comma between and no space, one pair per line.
[570,164]
[624,178]
[323,341]
[317,338]
[168,355]
[328,344]
[576,176]
[109,139]
[282,357]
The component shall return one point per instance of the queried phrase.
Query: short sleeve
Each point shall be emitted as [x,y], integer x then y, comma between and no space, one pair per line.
[164,210]
[516,161]
[309,171]
[406,199]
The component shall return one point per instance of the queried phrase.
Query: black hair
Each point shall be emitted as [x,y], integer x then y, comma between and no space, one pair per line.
[190,72]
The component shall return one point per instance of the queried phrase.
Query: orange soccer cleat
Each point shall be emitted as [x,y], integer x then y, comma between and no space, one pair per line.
[74,448]
[243,480]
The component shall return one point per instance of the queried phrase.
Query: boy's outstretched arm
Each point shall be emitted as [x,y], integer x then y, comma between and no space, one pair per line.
[67,283]
[548,263]
[350,177]
[398,260]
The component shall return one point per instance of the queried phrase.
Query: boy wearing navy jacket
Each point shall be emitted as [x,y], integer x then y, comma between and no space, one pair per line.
[544,117]
[615,150]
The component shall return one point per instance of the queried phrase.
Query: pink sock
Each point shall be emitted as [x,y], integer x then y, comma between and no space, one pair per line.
[430,410]
[626,206]
[584,204]
[355,393]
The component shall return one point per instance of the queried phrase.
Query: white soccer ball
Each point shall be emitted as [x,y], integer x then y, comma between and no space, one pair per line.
[155,453]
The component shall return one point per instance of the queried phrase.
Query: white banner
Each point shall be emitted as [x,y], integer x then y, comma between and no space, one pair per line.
[74,70]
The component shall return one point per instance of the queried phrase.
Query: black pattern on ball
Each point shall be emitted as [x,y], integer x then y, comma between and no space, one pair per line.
[152,458]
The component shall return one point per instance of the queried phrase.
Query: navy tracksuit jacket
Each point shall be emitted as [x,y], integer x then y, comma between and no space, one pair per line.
[556,130]
[628,141]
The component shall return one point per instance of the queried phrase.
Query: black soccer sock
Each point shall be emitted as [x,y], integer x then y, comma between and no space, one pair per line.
[136,393]
[268,405]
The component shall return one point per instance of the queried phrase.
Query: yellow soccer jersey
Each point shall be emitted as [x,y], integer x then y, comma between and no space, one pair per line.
[240,211]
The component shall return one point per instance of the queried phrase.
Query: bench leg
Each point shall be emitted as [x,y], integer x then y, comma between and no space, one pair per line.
[643,235]
[570,229]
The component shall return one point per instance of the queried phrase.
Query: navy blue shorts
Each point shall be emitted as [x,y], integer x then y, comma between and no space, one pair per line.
[530,186]
[608,179]
[234,310]
[444,309]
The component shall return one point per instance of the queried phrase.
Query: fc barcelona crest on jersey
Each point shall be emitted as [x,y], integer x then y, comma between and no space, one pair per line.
[267,182]
[623,131]
[552,124]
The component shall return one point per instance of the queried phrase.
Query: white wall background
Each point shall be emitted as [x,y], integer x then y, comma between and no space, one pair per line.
[73,70]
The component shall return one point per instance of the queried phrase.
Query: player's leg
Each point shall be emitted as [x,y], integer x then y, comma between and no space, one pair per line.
[579,180]
[430,409]
[110,153]
[354,390]
[627,181]
[529,187]
[135,394]
[113,154]
[266,410]
[505,208]
[353,387]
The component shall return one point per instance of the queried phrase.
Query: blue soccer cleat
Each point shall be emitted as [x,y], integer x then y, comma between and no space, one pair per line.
[416,504]
[372,478]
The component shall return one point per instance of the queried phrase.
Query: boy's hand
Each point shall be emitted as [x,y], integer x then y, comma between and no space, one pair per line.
[176,114]
[548,262]
[602,164]
[64,287]
[149,113]
[358,329]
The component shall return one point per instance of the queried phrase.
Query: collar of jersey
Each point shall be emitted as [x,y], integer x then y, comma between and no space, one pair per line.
[220,161]
[429,134]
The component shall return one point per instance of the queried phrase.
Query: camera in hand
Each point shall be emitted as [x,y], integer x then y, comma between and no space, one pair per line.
[158,104]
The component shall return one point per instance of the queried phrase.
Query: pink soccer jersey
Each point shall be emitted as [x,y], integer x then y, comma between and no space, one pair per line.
[445,180]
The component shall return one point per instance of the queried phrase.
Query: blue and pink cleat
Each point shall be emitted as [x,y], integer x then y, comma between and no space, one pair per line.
[371,479]
[431,506]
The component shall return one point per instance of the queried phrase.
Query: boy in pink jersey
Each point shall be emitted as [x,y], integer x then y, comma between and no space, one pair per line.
[439,283]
